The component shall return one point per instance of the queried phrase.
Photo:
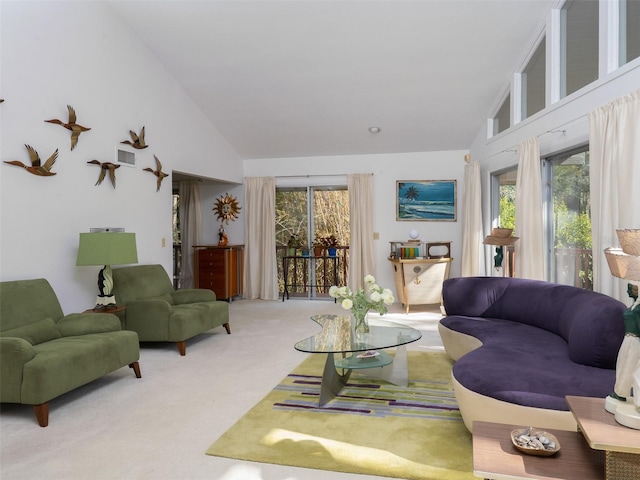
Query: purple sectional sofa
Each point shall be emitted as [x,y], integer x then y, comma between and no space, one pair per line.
[521,346]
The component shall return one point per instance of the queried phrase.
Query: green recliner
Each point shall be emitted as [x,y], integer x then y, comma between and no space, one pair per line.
[158,313]
[44,354]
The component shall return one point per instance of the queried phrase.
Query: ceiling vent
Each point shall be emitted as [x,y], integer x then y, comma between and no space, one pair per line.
[126,158]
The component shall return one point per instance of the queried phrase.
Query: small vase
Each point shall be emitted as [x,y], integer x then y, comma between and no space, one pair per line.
[362,326]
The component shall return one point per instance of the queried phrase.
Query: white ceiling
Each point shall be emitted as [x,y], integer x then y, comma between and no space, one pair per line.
[308,77]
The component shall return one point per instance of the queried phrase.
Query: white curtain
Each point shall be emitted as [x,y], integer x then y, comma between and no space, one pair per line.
[529,250]
[260,268]
[190,229]
[472,247]
[614,154]
[361,255]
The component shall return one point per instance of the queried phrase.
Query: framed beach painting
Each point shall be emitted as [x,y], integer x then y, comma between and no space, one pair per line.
[426,200]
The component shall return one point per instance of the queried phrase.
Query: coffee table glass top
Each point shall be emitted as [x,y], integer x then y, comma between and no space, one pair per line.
[338,335]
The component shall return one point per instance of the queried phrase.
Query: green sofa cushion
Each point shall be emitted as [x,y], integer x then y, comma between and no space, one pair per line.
[35,333]
[86,323]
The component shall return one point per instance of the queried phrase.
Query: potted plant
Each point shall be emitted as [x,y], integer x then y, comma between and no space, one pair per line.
[330,243]
[318,246]
[292,244]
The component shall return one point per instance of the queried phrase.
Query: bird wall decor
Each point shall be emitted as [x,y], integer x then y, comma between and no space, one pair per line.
[75,128]
[104,168]
[36,167]
[158,173]
[137,141]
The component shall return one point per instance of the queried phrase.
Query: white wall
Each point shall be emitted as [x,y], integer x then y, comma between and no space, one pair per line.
[386,169]
[79,53]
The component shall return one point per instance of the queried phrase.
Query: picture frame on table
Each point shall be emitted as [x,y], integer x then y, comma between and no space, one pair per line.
[426,200]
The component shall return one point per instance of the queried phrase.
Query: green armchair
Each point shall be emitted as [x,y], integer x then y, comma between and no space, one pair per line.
[158,313]
[44,354]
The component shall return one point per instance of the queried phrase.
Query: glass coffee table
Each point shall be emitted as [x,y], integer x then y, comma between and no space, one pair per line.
[365,349]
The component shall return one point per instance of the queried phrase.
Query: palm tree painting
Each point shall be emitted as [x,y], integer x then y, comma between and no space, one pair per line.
[426,200]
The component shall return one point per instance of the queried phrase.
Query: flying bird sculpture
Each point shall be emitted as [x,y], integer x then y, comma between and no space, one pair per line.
[104,168]
[158,173]
[76,129]
[36,164]
[137,141]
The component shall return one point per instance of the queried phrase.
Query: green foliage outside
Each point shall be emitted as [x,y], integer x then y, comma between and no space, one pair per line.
[572,217]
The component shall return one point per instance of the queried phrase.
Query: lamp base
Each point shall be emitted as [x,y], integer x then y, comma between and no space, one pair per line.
[628,415]
[104,301]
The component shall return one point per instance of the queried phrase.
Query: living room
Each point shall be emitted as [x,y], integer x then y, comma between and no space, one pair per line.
[82,54]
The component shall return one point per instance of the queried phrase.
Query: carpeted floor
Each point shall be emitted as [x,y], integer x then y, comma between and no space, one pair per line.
[372,427]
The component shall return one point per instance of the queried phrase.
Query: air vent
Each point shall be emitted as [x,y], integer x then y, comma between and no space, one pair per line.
[126,158]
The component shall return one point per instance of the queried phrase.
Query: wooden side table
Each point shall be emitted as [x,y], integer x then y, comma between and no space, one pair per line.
[116,309]
[495,457]
[601,431]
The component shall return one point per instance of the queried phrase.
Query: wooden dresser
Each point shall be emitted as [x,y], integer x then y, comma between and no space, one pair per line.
[219,268]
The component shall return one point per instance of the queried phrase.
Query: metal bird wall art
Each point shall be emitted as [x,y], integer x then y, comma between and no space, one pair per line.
[104,168]
[158,173]
[75,128]
[36,167]
[137,141]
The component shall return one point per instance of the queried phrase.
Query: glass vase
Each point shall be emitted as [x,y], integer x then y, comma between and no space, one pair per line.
[362,326]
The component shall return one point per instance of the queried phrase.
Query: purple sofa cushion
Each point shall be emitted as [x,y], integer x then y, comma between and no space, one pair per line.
[590,323]
[525,365]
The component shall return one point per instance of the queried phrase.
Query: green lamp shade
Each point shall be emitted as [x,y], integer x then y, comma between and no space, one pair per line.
[107,248]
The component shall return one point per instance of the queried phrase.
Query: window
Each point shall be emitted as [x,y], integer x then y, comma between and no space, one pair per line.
[177,246]
[505,186]
[502,120]
[533,80]
[579,45]
[569,225]
[629,30]
[503,210]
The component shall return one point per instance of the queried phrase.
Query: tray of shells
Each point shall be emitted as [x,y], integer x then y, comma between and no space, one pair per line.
[535,442]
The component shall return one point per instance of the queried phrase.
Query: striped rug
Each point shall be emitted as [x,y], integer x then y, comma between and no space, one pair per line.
[371,427]
[429,399]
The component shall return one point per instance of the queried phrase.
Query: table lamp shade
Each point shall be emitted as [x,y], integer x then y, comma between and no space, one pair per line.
[107,248]
[624,262]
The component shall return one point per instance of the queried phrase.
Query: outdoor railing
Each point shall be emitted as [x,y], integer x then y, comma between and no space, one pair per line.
[574,266]
[311,275]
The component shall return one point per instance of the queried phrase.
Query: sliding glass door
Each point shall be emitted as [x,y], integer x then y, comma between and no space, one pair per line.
[308,217]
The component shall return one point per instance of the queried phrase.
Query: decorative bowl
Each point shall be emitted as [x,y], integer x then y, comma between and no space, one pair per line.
[535,442]
[501,232]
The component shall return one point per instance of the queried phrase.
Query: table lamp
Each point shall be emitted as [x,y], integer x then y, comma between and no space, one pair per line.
[106,247]
[624,263]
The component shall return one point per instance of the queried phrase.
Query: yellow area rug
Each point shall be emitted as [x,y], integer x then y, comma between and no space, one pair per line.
[372,427]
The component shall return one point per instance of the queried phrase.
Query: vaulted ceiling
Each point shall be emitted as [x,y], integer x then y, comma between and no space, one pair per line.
[284,78]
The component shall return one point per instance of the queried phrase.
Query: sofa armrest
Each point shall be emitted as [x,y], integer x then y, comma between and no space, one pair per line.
[149,318]
[86,323]
[193,295]
[14,353]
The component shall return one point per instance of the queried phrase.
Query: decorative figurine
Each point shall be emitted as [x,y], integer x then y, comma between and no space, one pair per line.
[138,141]
[76,129]
[104,168]
[158,173]
[222,237]
[36,168]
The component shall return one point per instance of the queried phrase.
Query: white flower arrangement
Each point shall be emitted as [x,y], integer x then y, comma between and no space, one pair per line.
[371,297]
